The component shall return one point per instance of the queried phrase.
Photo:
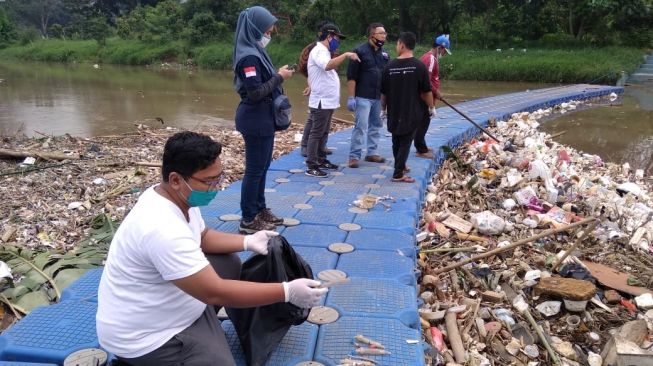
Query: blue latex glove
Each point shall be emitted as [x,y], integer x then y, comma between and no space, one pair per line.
[351,104]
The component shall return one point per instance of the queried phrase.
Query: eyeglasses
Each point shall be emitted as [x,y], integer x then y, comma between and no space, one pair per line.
[381,33]
[214,184]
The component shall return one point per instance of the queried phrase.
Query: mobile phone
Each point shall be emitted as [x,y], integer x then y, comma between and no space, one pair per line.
[292,67]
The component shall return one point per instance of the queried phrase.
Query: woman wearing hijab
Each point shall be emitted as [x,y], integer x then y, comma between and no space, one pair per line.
[258,83]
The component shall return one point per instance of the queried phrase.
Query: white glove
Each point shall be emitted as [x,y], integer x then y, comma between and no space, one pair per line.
[432,112]
[258,242]
[303,293]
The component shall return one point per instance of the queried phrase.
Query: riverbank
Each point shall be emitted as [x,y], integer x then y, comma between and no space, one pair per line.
[582,65]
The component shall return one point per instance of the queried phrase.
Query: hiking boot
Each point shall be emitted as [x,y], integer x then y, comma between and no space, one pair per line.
[316,172]
[426,155]
[255,225]
[375,158]
[353,163]
[266,215]
[328,165]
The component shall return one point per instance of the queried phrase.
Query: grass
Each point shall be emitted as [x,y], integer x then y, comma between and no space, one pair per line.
[600,65]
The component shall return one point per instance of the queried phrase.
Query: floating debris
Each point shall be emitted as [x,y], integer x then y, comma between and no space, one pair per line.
[555,226]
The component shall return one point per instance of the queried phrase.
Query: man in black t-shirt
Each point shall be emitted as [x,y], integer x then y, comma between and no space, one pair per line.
[406,93]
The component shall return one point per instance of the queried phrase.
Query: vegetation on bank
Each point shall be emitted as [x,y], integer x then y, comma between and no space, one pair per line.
[598,65]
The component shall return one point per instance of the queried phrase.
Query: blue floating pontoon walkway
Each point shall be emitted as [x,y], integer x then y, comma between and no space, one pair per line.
[381,300]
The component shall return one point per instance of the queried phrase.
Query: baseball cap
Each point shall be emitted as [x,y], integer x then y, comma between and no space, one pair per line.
[332,28]
[443,40]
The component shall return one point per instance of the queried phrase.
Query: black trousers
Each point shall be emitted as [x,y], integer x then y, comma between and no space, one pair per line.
[317,137]
[420,134]
[203,343]
[400,151]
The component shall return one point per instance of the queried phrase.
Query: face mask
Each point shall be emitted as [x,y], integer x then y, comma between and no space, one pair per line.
[333,44]
[264,41]
[199,198]
[379,43]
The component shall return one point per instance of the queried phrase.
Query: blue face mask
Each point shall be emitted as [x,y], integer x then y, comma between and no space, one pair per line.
[199,198]
[333,44]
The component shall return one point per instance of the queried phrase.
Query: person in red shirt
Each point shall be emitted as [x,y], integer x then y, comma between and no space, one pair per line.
[431,59]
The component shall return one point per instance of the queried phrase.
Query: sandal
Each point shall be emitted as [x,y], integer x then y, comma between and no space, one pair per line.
[404,179]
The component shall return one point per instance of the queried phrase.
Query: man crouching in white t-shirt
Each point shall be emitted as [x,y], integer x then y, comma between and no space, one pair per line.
[165,270]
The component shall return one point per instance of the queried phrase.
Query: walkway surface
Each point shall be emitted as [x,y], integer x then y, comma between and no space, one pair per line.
[643,75]
[381,300]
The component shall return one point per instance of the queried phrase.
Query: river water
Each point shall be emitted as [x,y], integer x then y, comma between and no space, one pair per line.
[53,99]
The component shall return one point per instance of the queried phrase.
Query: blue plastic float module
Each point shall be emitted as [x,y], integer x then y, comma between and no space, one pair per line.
[382,240]
[314,235]
[299,187]
[319,259]
[388,220]
[378,264]
[337,189]
[334,201]
[298,345]
[321,216]
[84,288]
[50,333]
[399,191]
[336,340]
[375,298]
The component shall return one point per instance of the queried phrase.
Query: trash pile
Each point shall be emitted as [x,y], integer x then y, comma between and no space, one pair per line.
[54,187]
[533,253]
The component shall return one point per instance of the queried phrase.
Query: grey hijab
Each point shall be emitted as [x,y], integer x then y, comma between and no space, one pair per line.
[252,24]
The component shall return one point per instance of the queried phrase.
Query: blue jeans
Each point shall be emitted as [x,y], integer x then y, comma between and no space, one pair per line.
[258,156]
[368,122]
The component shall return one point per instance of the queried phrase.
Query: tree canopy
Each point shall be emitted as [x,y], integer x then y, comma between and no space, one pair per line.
[478,23]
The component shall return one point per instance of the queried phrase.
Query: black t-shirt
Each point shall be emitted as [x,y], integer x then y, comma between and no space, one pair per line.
[402,83]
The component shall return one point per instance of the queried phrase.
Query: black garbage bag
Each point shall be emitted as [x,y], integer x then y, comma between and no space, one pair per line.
[261,329]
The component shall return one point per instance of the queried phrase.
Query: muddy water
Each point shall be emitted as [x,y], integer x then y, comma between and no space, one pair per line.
[618,133]
[54,99]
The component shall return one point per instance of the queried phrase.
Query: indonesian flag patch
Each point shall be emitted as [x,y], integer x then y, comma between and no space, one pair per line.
[250,71]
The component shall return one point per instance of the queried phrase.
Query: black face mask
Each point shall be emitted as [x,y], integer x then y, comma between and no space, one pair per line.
[378,43]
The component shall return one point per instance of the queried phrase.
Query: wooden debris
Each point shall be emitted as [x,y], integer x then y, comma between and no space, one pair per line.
[458,223]
[566,288]
[40,154]
[612,278]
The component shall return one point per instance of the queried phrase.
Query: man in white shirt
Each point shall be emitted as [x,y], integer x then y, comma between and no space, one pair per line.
[165,270]
[325,96]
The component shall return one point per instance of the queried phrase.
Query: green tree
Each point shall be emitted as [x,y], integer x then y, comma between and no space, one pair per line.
[97,28]
[7,30]
[36,13]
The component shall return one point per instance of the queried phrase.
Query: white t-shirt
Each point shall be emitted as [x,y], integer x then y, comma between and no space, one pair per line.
[325,85]
[139,308]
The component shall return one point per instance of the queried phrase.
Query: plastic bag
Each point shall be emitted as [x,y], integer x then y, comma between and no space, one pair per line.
[261,329]
[488,223]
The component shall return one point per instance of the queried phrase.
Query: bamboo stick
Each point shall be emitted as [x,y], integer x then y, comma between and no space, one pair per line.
[454,337]
[576,244]
[41,154]
[512,246]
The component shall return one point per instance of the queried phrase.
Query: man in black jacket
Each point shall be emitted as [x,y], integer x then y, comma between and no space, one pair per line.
[364,88]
